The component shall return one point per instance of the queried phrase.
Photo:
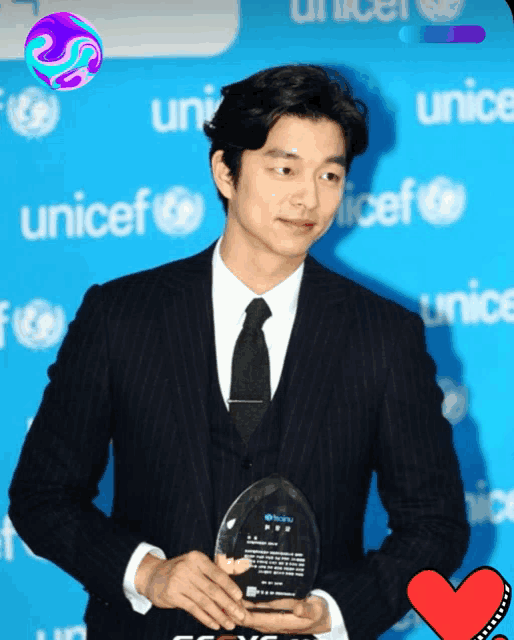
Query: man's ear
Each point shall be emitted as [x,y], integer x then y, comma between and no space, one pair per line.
[221,175]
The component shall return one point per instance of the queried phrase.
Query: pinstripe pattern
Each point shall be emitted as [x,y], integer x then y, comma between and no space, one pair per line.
[357,393]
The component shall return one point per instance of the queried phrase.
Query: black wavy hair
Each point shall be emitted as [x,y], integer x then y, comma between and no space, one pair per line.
[252,106]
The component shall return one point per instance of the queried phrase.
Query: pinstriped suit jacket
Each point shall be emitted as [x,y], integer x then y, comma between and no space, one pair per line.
[133,368]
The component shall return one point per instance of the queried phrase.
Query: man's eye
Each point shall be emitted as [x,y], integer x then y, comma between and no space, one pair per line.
[334,178]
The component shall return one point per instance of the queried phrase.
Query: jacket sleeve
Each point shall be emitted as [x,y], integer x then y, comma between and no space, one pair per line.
[420,486]
[64,456]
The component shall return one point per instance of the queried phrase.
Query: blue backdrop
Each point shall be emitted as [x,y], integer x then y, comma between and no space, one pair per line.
[114,178]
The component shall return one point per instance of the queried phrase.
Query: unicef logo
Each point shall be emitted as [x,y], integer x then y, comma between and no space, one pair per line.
[178,212]
[455,403]
[38,325]
[441,202]
[440,10]
[32,113]
[268,517]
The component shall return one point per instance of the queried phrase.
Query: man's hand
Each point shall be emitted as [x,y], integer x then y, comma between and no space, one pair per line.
[194,583]
[308,616]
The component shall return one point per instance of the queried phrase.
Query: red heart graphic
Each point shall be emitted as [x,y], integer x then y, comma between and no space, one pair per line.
[470,612]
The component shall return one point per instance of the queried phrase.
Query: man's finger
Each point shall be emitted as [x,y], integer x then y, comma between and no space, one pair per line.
[312,611]
[281,603]
[231,565]
[304,609]
[277,622]
[301,608]
[312,607]
[220,577]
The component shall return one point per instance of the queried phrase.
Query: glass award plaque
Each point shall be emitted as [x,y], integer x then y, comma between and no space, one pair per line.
[268,542]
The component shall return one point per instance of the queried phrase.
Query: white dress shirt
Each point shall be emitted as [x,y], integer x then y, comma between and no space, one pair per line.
[230,297]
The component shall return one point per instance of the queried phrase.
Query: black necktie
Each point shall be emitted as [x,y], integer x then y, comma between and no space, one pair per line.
[250,389]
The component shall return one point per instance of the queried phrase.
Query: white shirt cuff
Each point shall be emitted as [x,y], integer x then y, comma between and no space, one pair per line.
[338,629]
[139,603]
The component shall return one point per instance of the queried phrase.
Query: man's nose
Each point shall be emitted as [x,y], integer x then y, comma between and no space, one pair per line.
[307,194]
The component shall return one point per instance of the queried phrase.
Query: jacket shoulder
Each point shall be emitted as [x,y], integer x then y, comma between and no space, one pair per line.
[148,278]
[143,278]
[363,298]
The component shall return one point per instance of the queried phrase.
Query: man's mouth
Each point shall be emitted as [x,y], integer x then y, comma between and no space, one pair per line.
[298,223]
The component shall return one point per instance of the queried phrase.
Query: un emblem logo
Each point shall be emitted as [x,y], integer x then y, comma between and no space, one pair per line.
[455,403]
[32,113]
[441,202]
[178,212]
[440,10]
[38,325]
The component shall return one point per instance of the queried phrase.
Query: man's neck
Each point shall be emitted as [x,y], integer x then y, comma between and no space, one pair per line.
[259,276]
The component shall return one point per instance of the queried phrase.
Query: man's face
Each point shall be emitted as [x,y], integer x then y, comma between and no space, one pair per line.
[274,188]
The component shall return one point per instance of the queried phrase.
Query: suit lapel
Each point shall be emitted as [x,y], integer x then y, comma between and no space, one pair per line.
[315,348]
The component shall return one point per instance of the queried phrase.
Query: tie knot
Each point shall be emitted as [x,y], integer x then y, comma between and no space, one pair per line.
[257,312]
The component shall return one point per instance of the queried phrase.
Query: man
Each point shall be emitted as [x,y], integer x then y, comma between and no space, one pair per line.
[347,388]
